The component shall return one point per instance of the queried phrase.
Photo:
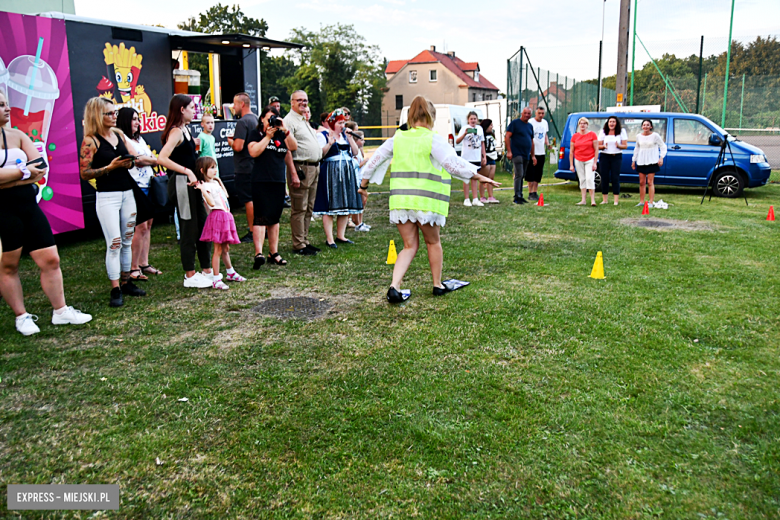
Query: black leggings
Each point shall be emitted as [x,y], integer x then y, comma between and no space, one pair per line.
[609,168]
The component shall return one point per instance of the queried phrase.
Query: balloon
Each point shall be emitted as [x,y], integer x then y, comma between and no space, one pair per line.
[47,194]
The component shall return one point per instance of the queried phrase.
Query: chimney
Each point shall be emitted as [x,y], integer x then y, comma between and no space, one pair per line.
[451,54]
[433,48]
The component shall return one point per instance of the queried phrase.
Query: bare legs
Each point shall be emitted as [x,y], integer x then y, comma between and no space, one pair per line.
[48,260]
[488,171]
[474,189]
[141,243]
[258,235]
[410,235]
[649,180]
[327,226]
[250,214]
[216,256]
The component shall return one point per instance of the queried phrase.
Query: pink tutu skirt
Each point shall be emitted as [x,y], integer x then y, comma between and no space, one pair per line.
[220,228]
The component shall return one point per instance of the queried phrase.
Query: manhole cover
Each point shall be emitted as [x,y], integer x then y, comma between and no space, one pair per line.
[301,307]
[654,223]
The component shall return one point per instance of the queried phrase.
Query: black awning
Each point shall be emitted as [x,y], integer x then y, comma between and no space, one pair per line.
[220,42]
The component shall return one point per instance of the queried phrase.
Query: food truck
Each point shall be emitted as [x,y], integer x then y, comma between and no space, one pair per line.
[52,63]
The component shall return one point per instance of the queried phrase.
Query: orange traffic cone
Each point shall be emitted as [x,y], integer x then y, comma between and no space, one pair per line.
[771,215]
[541,200]
[646,209]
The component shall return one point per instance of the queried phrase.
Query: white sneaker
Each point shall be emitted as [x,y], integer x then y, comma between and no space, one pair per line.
[197,281]
[640,204]
[25,324]
[477,202]
[467,203]
[650,205]
[362,227]
[71,316]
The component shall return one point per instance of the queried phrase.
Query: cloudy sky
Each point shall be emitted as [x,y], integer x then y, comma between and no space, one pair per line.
[561,36]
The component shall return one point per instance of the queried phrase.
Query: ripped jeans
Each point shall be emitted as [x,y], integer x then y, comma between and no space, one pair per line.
[116,212]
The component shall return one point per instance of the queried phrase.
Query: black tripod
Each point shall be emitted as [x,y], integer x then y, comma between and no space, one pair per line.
[722,160]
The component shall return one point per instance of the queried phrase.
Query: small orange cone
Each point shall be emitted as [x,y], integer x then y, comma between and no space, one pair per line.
[541,200]
[771,215]
[646,209]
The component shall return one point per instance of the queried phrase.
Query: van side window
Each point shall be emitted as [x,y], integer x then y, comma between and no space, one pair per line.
[633,126]
[689,131]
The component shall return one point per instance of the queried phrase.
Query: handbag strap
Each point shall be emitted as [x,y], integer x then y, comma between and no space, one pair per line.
[5,147]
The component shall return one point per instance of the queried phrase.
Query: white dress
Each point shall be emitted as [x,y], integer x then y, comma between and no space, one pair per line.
[442,156]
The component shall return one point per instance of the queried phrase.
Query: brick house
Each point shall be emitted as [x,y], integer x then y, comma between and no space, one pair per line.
[442,78]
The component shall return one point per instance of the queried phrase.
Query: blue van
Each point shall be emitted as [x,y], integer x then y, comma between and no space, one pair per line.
[693,143]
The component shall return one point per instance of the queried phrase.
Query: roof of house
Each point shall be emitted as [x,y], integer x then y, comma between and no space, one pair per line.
[452,63]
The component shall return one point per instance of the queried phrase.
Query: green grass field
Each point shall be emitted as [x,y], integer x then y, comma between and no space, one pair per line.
[536,392]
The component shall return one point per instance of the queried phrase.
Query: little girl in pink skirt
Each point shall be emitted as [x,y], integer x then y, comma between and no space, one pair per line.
[220,227]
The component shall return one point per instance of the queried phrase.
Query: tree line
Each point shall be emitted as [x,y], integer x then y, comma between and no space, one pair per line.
[336,66]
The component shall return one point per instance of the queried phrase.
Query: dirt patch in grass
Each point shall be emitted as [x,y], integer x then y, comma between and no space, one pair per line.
[665,224]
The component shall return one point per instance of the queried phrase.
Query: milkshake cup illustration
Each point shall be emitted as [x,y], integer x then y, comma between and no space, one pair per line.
[3,77]
[32,90]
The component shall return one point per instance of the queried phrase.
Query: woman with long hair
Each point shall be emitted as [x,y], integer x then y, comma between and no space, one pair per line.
[420,186]
[491,156]
[337,189]
[178,156]
[106,156]
[612,141]
[128,122]
[649,153]
[271,145]
[24,226]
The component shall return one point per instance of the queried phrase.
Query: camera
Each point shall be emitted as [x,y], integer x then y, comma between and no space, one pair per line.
[275,121]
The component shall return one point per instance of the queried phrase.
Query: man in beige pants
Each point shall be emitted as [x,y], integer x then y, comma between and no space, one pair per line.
[307,165]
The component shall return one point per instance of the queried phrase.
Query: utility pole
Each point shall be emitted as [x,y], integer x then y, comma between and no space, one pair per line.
[633,56]
[728,61]
[601,48]
[622,57]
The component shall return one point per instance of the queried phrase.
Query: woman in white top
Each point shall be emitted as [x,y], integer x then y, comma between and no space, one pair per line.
[649,154]
[410,221]
[612,141]
[473,151]
[127,120]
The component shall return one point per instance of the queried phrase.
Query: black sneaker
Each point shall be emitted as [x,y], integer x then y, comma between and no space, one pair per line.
[304,252]
[116,298]
[131,289]
[533,196]
[394,296]
[312,248]
[247,239]
[521,200]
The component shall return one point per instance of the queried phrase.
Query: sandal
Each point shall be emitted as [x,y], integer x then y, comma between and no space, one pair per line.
[277,259]
[140,277]
[259,261]
[148,269]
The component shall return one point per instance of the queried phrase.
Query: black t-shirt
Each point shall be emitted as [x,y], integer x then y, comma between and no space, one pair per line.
[115,180]
[269,166]
[242,161]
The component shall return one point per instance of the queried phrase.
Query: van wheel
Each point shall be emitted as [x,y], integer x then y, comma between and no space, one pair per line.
[728,183]
[598,180]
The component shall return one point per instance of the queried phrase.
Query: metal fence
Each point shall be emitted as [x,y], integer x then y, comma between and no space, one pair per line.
[558,93]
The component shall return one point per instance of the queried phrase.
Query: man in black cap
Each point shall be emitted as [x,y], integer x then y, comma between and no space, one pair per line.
[273,101]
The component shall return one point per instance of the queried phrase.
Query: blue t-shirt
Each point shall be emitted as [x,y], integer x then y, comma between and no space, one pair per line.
[522,138]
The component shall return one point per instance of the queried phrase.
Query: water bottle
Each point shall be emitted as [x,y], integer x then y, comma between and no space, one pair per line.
[23,167]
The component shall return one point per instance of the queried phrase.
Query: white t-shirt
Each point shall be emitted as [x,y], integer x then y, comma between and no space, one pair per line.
[218,196]
[540,132]
[612,140]
[472,143]
[142,174]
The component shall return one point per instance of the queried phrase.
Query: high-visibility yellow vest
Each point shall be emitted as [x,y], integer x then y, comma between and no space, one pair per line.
[414,182]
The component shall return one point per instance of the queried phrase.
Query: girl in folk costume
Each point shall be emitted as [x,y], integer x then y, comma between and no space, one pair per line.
[220,227]
[420,183]
[337,188]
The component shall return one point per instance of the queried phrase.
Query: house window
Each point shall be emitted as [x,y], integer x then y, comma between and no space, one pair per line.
[399,102]
[473,97]
[476,75]
[432,75]
[412,76]
[488,97]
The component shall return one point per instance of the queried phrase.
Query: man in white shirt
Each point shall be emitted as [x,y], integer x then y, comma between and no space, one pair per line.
[536,170]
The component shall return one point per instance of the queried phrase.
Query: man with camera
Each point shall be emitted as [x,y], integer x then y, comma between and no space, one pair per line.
[307,165]
[242,161]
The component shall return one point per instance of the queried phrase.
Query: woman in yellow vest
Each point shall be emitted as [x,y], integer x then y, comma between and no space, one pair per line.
[420,183]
